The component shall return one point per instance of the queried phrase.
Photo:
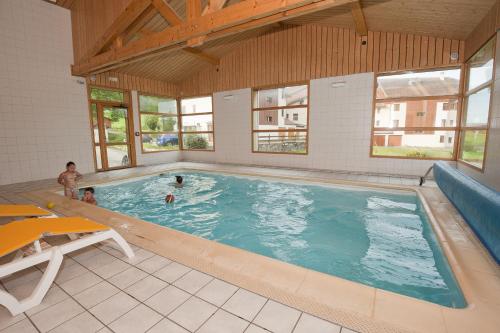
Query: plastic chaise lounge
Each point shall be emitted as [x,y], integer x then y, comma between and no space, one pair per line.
[18,234]
[22,211]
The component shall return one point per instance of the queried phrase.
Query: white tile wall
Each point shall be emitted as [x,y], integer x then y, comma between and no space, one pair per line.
[491,174]
[340,127]
[43,110]
[148,158]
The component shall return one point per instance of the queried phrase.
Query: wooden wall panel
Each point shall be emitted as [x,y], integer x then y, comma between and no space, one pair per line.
[299,53]
[129,82]
[483,31]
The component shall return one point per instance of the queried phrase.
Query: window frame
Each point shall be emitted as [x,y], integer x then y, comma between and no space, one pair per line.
[455,128]
[139,94]
[126,103]
[466,94]
[254,109]
[181,132]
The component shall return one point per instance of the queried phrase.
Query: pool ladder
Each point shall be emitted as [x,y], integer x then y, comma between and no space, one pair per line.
[422,179]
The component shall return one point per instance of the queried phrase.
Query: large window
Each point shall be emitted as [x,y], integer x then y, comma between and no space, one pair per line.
[197,124]
[416,115]
[280,120]
[158,120]
[478,88]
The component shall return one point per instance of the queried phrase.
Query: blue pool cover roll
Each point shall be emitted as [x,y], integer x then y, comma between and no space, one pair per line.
[478,204]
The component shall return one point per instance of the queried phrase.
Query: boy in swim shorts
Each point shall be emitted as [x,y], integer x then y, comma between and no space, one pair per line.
[69,179]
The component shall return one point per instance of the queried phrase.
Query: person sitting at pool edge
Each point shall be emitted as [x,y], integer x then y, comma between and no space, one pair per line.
[88,196]
[178,181]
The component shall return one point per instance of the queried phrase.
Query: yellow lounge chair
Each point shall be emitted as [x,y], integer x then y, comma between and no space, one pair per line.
[16,235]
[22,211]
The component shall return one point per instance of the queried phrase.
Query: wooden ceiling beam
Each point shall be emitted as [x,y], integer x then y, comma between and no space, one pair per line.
[193,9]
[359,18]
[119,25]
[213,5]
[242,16]
[202,55]
[167,12]
[140,22]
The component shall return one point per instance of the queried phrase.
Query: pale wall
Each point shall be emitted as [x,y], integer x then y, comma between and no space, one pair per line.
[44,118]
[340,127]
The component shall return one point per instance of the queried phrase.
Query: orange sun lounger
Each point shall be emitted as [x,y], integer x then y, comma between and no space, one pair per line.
[18,234]
[22,211]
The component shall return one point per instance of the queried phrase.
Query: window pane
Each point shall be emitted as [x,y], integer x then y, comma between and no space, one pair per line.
[160,142]
[118,156]
[196,105]
[157,104]
[419,113]
[477,108]
[203,141]
[203,123]
[115,124]
[153,123]
[106,95]
[414,144]
[286,96]
[95,127]
[481,66]
[432,83]
[295,118]
[98,158]
[472,147]
[280,142]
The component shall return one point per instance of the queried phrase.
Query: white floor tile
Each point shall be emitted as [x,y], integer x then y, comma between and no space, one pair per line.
[127,278]
[145,288]
[245,304]
[311,324]
[167,300]
[193,281]
[80,283]
[96,294]
[153,264]
[217,292]
[139,319]
[192,313]
[277,317]
[113,307]
[167,326]
[83,323]
[6,319]
[112,269]
[255,329]
[56,315]
[54,296]
[24,326]
[172,272]
[224,322]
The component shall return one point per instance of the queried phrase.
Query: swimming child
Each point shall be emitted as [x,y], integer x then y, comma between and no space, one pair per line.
[69,179]
[178,181]
[169,198]
[88,196]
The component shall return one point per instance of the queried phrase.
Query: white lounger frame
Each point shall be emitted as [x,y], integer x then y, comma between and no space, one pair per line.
[54,255]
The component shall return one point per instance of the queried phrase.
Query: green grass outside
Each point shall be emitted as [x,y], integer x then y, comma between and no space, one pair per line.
[153,147]
[413,152]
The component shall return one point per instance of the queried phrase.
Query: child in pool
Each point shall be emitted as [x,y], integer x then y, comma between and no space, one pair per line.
[69,179]
[178,182]
[88,196]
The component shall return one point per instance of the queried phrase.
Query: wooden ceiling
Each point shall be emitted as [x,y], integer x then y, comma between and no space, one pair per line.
[442,18]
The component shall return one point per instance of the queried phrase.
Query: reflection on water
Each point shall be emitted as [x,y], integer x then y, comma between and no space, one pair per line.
[376,238]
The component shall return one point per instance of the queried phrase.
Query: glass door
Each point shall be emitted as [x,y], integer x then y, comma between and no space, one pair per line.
[110,126]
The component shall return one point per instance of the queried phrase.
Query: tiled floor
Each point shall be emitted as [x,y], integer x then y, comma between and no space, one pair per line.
[100,290]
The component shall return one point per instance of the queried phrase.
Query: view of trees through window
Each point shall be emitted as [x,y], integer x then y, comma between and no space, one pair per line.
[416,114]
[197,130]
[158,119]
[280,120]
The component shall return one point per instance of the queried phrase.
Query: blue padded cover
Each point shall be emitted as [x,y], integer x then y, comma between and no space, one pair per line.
[478,204]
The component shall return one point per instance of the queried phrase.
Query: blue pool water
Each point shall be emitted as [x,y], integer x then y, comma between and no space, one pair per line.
[381,239]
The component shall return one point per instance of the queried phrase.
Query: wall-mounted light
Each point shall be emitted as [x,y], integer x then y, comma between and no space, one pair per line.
[113,79]
[93,78]
[338,84]
[228,97]
[454,56]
